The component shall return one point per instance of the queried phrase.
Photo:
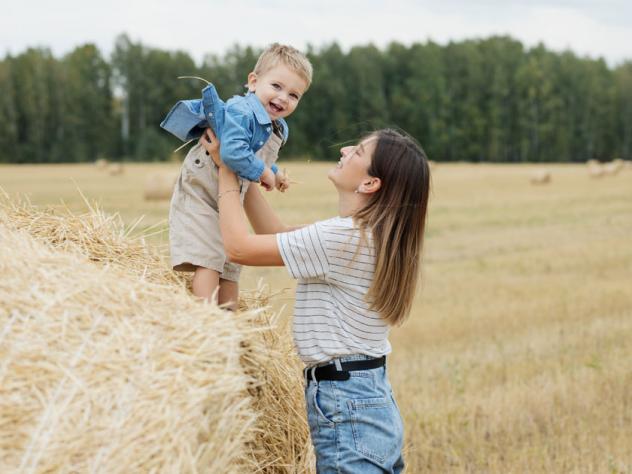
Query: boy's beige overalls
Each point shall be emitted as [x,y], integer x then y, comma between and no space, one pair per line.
[195,239]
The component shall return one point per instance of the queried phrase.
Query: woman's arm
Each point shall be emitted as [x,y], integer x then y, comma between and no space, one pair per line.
[240,245]
[261,215]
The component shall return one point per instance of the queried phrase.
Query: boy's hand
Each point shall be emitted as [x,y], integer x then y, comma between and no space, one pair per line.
[282,181]
[267,179]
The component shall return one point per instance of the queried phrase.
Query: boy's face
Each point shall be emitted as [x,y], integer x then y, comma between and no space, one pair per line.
[279,89]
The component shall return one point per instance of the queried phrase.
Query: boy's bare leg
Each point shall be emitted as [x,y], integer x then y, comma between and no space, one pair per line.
[205,283]
[229,293]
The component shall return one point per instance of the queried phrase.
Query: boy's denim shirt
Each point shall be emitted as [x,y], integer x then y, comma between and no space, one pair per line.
[241,123]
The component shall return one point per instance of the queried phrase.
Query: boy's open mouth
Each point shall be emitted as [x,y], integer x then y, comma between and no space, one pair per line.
[276,108]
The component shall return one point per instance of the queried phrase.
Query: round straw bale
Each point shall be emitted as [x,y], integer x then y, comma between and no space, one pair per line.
[593,163]
[115,169]
[596,171]
[110,373]
[109,365]
[101,163]
[613,168]
[540,177]
[159,185]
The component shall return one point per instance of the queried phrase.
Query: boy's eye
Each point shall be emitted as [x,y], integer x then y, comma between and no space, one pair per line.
[276,86]
[294,96]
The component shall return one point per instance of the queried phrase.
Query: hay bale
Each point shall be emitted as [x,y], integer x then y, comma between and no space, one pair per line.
[596,171]
[99,377]
[110,365]
[101,163]
[116,169]
[541,176]
[159,185]
[613,168]
[591,163]
[98,236]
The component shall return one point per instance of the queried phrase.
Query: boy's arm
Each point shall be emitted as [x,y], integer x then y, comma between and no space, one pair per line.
[260,214]
[185,120]
[235,146]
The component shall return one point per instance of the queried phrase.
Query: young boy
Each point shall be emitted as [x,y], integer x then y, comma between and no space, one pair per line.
[250,129]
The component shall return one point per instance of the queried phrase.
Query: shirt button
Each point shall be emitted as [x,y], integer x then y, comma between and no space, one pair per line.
[210,114]
[268,129]
[260,143]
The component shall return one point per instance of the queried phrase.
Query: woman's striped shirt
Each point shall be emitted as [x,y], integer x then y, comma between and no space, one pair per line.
[334,267]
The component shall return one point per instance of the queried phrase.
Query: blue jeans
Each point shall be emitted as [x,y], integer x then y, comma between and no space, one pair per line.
[355,424]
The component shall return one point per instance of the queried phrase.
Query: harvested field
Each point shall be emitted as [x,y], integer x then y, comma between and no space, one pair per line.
[517,354]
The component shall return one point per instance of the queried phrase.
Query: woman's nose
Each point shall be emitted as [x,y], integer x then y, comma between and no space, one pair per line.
[345,150]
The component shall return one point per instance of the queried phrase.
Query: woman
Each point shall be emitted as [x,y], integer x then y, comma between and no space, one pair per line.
[356,275]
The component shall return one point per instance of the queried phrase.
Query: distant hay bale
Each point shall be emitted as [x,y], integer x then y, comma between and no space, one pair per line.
[596,170]
[101,163]
[159,185]
[539,177]
[110,365]
[613,168]
[115,169]
[599,170]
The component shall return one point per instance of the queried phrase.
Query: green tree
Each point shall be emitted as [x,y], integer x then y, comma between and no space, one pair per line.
[36,88]
[87,123]
[623,109]
[8,114]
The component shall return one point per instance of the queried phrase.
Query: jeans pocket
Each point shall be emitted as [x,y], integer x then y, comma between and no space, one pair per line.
[324,405]
[377,430]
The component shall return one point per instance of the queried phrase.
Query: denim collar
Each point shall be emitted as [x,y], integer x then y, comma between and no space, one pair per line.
[260,113]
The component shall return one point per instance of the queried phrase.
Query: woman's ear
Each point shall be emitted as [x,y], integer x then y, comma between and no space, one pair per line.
[252,82]
[370,185]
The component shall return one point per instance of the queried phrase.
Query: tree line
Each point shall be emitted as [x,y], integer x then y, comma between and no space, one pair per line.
[475,100]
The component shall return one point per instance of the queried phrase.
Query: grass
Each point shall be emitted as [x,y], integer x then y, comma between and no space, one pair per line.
[518,353]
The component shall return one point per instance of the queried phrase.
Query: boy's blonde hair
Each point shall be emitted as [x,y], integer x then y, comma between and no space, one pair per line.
[288,56]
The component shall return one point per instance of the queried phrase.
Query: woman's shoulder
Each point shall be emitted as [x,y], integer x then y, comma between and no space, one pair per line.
[343,228]
[337,223]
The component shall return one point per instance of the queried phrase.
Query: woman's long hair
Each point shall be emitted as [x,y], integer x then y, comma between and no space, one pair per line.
[395,216]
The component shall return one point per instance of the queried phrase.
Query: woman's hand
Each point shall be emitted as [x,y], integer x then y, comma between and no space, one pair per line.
[211,144]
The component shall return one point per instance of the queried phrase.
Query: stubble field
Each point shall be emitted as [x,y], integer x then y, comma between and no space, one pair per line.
[517,356]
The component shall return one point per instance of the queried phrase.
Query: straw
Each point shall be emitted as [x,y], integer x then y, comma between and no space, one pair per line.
[108,364]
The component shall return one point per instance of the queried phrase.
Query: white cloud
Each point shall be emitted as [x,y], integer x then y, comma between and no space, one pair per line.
[202,26]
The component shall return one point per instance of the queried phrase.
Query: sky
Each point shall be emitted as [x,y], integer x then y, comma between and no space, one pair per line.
[589,28]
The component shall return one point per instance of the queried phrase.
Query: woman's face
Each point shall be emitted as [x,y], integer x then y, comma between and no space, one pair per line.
[353,166]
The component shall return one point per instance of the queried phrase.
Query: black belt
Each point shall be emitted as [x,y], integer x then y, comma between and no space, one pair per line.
[330,372]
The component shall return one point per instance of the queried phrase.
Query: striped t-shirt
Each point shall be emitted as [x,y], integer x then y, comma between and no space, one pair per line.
[334,267]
